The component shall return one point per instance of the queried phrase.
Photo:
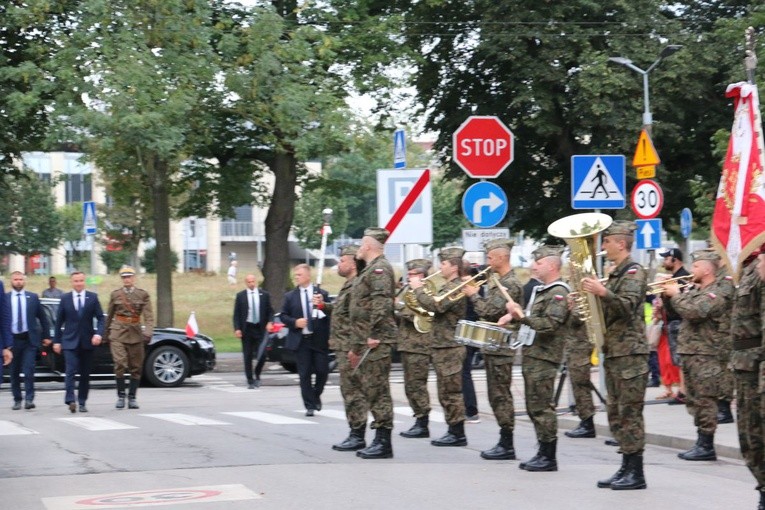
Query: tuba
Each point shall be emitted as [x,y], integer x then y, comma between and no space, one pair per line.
[423,319]
[578,230]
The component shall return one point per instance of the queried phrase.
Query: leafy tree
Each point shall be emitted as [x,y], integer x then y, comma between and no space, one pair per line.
[31,223]
[309,217]
[72,233]
[448,220]
[114,259]
[148,261]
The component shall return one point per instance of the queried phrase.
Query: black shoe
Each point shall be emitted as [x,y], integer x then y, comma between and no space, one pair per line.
[504,448]
[653,383]
[544,460]
[418,430]
[132,403]
[354,441]
[318,403]
[251,386]
[309,412]
[586,429]
[256,383]
[29,405]
[381,447]
[724,414]
[72,407]
[16,405]
[611,442]
[679,400]
[455,436]
[606,484]
[120,403]
[761,506]
[704,449]
[83,409]
[633,477]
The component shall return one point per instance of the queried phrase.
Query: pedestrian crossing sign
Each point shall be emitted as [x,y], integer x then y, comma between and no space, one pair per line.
[598,182]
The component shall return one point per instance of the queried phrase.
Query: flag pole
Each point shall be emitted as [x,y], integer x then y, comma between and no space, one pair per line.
[750,60]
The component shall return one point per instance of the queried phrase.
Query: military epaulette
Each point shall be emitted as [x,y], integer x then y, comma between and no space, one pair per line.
[379,271]
[632,271]
[712,295]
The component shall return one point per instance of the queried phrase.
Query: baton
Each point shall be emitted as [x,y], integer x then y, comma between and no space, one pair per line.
[363,357]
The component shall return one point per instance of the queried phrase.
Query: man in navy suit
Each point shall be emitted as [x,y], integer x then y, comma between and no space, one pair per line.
[76,313]
[6,339]
[252,320]
[308,336]
[29,327]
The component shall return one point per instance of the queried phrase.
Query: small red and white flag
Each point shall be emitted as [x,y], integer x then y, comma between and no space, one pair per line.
[192,328]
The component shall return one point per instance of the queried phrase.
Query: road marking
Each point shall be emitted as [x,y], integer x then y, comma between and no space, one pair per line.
[435,416]
[274,419]
[328,413]
[8,428]
[97,424]
[230,388]
[185,419]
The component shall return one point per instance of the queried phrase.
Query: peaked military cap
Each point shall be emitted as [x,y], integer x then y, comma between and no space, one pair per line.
[620,227]
[493,244]
[453,252]
[706,254]
[127,271]
[547,251]
[379,234]
[419,265]
[349,249]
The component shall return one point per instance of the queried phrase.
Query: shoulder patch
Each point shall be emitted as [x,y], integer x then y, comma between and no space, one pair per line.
[728,277]
[632,271]
[712,295]
[558,297]
[379,271]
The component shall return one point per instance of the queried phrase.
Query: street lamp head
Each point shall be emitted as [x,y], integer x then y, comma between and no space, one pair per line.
[327,215]
[670,49]
[620,60]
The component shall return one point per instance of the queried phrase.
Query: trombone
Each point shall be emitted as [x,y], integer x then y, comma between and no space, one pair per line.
[657,287]
[476,281]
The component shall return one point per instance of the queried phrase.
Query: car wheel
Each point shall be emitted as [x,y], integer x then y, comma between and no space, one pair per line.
[166,366]
[289,367]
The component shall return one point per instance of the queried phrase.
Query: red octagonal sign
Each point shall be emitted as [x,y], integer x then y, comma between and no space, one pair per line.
[483,147]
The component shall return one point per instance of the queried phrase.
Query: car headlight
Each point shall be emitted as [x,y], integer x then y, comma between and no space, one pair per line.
[204,344]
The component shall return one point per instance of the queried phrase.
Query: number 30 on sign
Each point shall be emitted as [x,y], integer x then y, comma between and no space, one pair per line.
[647,199]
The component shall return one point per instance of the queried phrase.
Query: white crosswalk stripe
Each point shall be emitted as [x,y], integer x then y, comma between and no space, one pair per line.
[8,428]
[275,419]
[97,424]
[434,416]
[185,419]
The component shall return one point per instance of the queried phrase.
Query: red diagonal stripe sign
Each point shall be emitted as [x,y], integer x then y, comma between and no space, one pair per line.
[408,202]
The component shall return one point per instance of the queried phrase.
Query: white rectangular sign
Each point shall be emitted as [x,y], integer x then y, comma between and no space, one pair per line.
[393,187]
[473,239]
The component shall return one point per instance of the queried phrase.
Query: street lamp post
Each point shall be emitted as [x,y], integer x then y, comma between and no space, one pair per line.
[666,52]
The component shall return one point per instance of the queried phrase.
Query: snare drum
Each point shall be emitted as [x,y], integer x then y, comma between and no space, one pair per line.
[484,335]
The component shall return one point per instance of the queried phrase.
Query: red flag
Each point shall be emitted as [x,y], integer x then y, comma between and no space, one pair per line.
[738,223]
[191,326]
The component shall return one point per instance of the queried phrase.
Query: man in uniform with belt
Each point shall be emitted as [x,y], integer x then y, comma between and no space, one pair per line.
[625,349]
[374,335]
[499,363]
[578,356]
[126,336]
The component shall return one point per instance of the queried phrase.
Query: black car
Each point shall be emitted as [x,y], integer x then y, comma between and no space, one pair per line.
[171,356]
[275,350]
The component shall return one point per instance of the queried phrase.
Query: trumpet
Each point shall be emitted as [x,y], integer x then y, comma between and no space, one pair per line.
[657,287]
[474,281]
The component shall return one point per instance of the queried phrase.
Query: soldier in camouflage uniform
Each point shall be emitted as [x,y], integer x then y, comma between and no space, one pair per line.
[625,350]
[499,363]
[747,360]
[414,347]
[546,314]
[705,310]
[727,382]
[578,355]
[374,334]
[446,354]
[340,336]
[125,336]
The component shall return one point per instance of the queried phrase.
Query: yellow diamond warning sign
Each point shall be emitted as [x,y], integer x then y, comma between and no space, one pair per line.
[645,153]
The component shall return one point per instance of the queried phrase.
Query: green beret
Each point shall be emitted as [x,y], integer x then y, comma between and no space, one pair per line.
[419,265]
[493,244]
[379,234]
[707,254]
[453,252]
[349,249]
[620,227]
[547,251]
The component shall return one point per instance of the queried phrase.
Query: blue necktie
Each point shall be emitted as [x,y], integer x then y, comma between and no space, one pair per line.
[79,305]
[309,319]
[19,317]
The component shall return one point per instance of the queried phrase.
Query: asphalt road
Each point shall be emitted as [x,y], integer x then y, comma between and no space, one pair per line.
[214,444]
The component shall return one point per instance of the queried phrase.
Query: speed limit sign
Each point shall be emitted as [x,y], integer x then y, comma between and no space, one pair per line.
[647,199]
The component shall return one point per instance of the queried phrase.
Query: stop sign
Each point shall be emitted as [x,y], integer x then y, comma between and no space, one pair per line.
[483,147]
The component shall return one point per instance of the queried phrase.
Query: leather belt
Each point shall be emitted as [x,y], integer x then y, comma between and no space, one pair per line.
[746,343]
[127,320]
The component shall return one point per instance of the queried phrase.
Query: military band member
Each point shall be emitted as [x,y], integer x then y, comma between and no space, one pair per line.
[727,383]
[447,356]
[341,332]
[499,363]
[748,362]
[374,334]
[705,310]
[625,350]
[125,335]
[414,347]
[578,356]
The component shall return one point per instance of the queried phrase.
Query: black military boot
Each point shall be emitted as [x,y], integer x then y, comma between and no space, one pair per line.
[606,484]
[132,403]
[723,412]
[503,450]
[585,429]
[633,477]
[120,393]
[419,429]
[704,449]
[544,460]
[381,447]
[761,506]
[455,436]
[354,441]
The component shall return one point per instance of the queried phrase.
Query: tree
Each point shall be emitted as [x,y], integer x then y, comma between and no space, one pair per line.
[309,217]
[72,233]
[448,220]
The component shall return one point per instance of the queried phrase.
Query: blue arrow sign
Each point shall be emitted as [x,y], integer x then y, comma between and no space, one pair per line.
[598,182]
[648,234]
[89,218]
[484,204]
[399,149]
[686,222]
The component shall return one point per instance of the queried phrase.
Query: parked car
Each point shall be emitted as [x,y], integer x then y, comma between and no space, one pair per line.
[171,356]
[276,352]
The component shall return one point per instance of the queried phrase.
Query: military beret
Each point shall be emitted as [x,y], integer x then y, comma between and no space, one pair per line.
[379,234]
[493,244]
[127,271]
[707,254]
[620,227]
[453,252]
[419,265]
[547,251]
[349,249]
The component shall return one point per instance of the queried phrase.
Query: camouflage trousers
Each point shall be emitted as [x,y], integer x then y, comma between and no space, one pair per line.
[579,363]
[416,369]
[751,427]
[499,378]
[127,358]
[539,384]
[702,376]
[351,389]
[375,374]
[448,364]
[727,383]
[626,380]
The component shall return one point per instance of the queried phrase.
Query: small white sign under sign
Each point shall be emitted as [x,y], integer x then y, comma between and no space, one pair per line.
[473,239]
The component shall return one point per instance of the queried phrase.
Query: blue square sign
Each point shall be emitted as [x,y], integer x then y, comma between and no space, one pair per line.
[648,234]
[598,182]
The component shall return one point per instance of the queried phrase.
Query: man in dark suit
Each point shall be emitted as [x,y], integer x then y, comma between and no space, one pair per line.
[252,320]
[6,339]
[308,336]
[29,327]
[75,335]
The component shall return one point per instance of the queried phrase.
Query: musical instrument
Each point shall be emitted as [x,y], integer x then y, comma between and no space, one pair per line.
[484,335]
[578,230]
[656,288]
[423,319]
[476,281]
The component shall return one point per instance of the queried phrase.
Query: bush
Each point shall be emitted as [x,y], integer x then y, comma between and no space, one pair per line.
[114,259]
[147,261]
